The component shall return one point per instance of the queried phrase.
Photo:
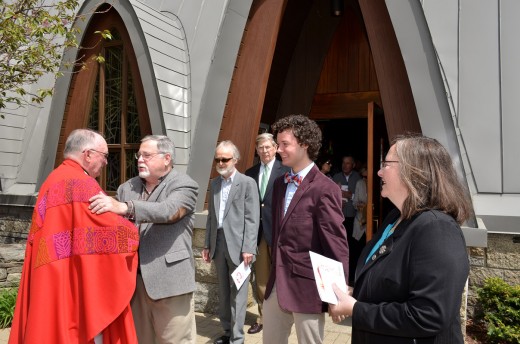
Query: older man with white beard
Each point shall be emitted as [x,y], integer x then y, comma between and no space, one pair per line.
[231,237]
[162,202]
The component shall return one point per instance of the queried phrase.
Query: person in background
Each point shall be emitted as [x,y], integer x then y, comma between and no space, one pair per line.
[360,203]
[347,180]
[306,217]
[231,237]
[264,174]
[80,268]
[162,201]
[410,277]
[325,164]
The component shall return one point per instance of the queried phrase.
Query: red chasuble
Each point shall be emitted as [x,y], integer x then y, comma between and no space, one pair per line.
[80,268]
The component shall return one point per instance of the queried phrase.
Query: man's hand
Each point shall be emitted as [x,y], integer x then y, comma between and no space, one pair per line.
[102,203]
[205,255]
[346,194]
[247,258]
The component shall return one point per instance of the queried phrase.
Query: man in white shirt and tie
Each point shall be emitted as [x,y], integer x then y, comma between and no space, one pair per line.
[264,173]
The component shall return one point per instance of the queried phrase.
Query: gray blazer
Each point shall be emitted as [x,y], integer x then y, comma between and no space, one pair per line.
[165,250]
[241,217]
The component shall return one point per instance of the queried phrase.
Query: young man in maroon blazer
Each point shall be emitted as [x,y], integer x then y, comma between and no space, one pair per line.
[307,216]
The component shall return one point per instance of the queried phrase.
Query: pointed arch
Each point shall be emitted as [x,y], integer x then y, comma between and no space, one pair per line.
[108,96]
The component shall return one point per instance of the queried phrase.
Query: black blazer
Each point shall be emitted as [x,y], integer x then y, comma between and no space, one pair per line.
[266,203]
[410,291]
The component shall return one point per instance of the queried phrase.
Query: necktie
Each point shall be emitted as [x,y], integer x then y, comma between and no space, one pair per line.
[293,178]
[263,184]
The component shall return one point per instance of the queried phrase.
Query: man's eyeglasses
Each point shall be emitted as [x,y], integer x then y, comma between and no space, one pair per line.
[105,155]
[264,148]
[223,160]
[385,163]
[146,156]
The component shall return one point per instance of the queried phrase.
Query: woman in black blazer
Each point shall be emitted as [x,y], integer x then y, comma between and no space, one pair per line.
[410,277]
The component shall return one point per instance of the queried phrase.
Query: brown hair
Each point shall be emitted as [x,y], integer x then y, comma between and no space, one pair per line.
[427,171]
[305,130]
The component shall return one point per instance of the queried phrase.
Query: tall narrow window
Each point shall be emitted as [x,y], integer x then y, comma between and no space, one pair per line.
[114,113]
[108,97]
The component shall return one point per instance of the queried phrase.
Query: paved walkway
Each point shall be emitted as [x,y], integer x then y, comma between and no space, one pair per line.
[208,329]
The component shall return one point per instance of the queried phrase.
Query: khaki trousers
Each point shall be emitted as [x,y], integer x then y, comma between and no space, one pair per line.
[169,320]
[310,328]
[262,268]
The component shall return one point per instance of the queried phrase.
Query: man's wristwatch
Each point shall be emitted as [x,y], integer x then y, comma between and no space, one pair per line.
[130,211]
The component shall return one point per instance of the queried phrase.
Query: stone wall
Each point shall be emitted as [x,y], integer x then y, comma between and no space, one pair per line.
[500,259]
[11,261]
[14,227]
[15,219]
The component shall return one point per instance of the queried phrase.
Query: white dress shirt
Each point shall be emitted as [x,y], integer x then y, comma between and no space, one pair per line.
[291,187]
[224,194]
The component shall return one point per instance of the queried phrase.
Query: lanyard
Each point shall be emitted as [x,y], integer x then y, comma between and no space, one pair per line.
[389,230]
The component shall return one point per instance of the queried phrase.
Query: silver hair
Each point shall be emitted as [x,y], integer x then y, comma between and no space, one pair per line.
[80,140]
[164,144]
[265,137]
[229,144]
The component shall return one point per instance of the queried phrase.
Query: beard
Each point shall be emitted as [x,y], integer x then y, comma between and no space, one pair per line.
[224,172]
[145,173]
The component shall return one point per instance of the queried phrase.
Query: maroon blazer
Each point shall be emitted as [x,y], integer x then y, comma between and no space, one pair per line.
[313,222]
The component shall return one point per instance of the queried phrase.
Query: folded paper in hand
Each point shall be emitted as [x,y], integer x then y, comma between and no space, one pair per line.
[240,274]
[326,272]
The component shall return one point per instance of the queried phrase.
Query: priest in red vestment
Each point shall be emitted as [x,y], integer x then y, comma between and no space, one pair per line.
[80,268]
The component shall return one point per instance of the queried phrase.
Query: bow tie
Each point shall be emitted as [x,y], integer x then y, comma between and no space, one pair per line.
[293,178]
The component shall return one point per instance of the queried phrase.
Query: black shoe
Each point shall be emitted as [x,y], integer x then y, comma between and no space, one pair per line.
[222,340]
[255,328]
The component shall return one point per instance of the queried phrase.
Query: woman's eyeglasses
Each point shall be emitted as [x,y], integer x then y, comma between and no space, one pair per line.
[385,163]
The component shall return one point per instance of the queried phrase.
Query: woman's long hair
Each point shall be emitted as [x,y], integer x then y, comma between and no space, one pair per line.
[427,170]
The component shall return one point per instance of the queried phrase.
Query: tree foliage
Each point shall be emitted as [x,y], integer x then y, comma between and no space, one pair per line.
[33,36]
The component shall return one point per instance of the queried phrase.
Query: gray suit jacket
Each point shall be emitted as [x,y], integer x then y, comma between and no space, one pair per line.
[165,250]
[241,217]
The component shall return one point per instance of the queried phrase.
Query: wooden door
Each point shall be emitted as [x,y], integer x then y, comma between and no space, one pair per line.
[377,144]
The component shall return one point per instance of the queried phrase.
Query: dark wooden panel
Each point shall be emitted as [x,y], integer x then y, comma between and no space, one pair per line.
[354,37]
[342,105]
[347,65]
[294,17]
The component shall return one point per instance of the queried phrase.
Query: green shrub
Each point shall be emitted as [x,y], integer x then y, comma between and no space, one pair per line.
[500,310]
[7,302]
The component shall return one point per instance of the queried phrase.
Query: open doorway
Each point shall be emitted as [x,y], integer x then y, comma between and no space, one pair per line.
[344,137]
[366,141]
